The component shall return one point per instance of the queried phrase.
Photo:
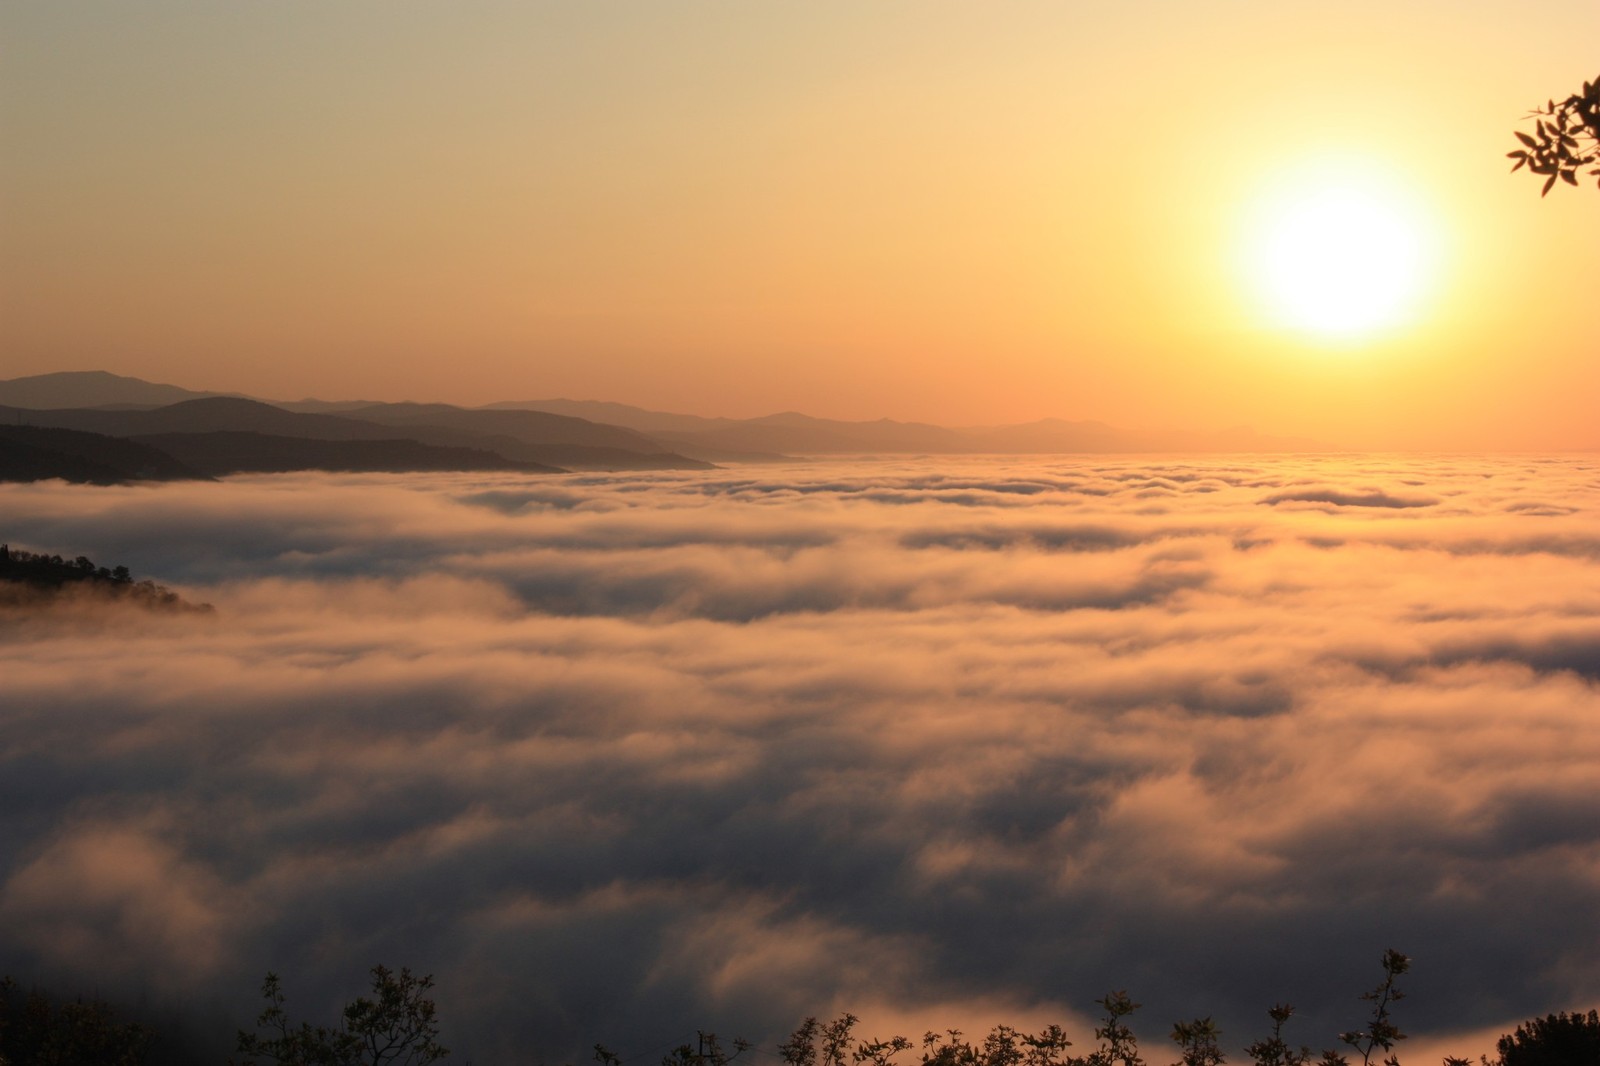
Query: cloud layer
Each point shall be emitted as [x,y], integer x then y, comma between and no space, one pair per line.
[619,756]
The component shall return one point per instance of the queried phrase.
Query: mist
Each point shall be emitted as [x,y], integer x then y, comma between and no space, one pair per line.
[616,757]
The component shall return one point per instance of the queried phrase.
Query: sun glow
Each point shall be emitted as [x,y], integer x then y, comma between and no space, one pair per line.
[1340,259]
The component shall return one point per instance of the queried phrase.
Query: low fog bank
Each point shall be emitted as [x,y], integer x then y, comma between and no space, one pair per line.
[619,756]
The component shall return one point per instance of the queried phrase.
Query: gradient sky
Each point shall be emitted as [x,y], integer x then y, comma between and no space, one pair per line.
[920,210]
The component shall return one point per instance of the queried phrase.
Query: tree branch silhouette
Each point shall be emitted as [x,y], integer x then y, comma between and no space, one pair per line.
[1564,140]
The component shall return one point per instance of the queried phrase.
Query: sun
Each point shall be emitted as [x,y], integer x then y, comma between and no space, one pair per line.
[1340,257]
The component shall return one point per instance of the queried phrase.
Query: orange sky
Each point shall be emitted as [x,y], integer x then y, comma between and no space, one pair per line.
[919,210]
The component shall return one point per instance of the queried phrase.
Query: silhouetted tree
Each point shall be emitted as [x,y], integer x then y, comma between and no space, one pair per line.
[1274,1051]
[1565,138]
[1381,1034]
[815,1044]
[1118,1045]
[709,1052]
[1554,1040]
[394,1028]
[834,1043]
[1198,1039]
[37,1031]
[51,573]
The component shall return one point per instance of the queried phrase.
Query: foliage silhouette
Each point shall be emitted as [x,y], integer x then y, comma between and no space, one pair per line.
[1198,1039]
[36,1031]
[813,1044]
[1381,1034]
[1118,1045]
[1565,138]
[710,1052]
[1274,1051]
[1554,1040]
[1004,1046]
[51,574]
[834,1043]
[396,1027]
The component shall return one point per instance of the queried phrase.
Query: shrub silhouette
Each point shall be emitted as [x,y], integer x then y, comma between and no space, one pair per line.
[1198,1039]
[1118,1045]
[1274,1051]
[394,1028]
[1554,1040]
[397,1026]
[834,1043]
[38,1031]
[1381,1034]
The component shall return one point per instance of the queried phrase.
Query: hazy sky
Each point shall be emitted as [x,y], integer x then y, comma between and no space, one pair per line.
[924,210]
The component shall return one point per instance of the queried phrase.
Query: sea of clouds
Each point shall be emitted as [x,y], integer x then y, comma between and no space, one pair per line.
[941,742]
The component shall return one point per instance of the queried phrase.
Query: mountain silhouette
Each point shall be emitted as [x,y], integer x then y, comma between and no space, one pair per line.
[528,441]
[92,388]
[243,452]
[584,434]
[37,453]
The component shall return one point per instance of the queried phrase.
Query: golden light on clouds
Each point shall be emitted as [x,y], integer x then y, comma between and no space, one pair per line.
[611,753]
[617,752]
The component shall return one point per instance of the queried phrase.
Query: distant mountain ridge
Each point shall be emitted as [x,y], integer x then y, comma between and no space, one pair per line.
[93,388]
[215,435]
[792,432]
[245,434]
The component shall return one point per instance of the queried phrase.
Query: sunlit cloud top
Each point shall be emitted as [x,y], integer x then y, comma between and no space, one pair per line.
[617,756]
